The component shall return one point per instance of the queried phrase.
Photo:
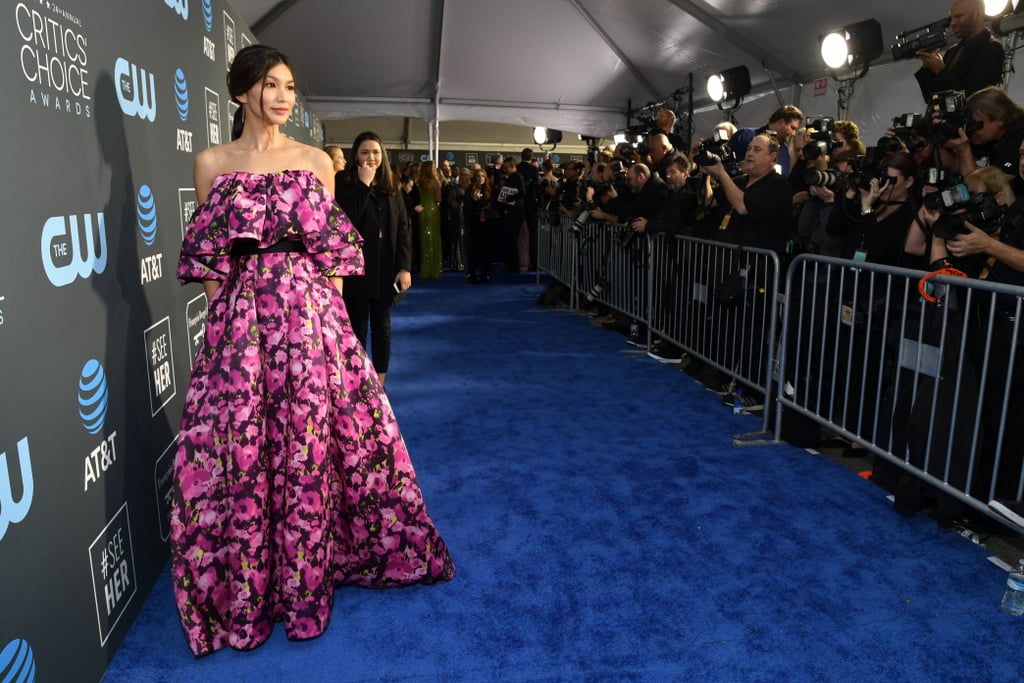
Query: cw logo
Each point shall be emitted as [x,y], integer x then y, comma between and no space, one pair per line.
[11,512]
[76,261]
[179,6]
[136,95]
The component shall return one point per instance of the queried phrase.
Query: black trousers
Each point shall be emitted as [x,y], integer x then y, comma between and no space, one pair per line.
[373,316]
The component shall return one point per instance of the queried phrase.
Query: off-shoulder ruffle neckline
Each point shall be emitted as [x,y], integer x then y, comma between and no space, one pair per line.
[287,171]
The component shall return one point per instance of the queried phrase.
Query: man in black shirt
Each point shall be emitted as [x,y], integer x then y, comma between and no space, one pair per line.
[509,193]
[971,64]
[531,201]
[761,200]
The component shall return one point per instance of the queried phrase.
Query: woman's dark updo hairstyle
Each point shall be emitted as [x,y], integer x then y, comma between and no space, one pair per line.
[250,66]
[385,179]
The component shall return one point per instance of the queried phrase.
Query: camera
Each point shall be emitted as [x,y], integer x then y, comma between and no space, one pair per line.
[864,168]
[922,39]
[948,199]
[980,210]
[625,235]
[830,178]
[601,285]
[715,148]
[938,177]
[951,106]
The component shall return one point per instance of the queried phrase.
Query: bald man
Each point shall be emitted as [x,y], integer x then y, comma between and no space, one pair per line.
[970,65]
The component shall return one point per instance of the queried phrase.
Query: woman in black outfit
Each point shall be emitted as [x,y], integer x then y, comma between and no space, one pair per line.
[368,192]
[479,227]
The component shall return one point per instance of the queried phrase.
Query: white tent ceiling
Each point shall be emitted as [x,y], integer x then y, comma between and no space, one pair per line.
[576,65]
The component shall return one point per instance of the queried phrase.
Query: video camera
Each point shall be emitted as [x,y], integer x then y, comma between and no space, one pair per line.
[717,147]
[925,38]
[959,206]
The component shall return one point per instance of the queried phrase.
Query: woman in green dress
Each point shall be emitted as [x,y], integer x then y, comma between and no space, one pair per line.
[429,185]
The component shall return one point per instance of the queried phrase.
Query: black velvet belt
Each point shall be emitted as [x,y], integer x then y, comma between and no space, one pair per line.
[251,247]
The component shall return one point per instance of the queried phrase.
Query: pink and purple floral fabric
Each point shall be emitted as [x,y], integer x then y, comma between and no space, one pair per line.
[291,474]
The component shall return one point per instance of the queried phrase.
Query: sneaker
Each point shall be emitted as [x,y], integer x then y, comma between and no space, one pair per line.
[725,389]
[1011,510]
[666,353]
[748,401]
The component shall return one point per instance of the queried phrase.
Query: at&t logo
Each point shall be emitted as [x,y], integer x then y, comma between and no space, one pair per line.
[12,512]
[150,267]
[208,15]
[179,6]
[92,396]
[17,662]
[184,140]
[136,94]
[181,94]
[64,261]
[145,208]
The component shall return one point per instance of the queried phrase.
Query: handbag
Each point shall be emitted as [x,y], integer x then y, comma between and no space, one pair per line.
[731,290]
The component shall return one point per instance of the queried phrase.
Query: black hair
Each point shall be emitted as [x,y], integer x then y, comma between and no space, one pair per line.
[250,66]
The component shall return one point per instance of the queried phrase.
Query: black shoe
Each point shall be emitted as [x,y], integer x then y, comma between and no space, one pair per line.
[747,401]
[663,352]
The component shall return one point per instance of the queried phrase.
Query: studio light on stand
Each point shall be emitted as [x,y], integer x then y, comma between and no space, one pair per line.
[848,53]
[546,136]
[1008,16]
[727,88]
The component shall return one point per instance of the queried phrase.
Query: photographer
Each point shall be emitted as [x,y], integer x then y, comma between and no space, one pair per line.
[760,200]
[570,200]
[784,122]
[970,65]
[659,148]
[995,137]
[875,218]
[823,185]
[676,214]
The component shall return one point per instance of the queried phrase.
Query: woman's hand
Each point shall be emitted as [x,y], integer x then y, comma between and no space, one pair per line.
[404,280]
[418,208]
[366,173]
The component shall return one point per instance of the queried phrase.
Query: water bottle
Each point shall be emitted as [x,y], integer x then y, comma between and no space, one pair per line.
[737,404]
[1013,598]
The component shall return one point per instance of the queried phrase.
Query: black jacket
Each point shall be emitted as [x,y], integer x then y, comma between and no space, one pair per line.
[970,66]
[383,224]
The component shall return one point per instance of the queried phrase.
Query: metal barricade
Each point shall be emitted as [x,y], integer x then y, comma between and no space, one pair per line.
[557,251]
[690,278]
[613,268]
[932,387]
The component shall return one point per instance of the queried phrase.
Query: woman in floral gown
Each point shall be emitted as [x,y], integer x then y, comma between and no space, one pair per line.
[291,476]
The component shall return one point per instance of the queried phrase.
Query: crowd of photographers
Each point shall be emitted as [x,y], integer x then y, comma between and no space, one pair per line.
[944,187]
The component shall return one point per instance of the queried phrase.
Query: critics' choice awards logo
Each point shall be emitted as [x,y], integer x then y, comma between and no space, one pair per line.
[161,364]
[150,267]
[66,255]
[53,57]
[163,477]
[183,141]
[17,662]
[179,6]
[112,562]
[12,511]
[136,90]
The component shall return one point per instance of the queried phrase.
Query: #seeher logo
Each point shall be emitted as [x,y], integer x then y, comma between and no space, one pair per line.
[181,94]
[208,15]
[17,663]
[92,396]
[145,208]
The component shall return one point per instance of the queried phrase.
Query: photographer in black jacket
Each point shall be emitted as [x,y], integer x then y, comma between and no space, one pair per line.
[970,65]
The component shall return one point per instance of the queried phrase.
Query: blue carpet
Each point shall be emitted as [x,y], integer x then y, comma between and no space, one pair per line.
[604,528]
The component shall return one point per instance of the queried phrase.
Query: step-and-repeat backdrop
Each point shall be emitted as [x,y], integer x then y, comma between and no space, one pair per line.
[106,104]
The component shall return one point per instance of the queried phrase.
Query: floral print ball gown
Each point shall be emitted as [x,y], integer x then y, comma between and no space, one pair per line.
[291,474]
